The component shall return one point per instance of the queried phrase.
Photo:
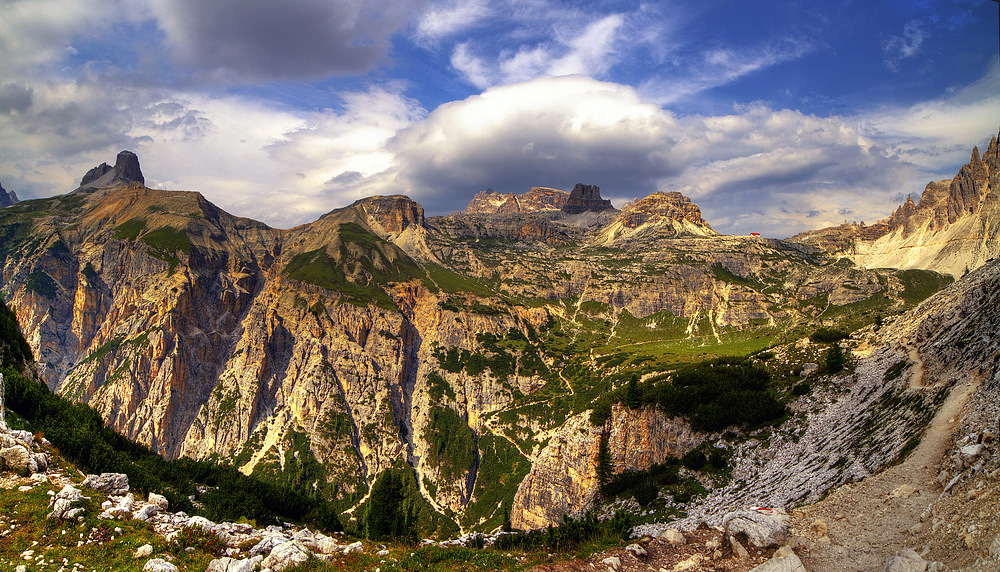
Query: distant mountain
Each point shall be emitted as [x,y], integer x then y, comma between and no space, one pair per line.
[7,198]
[955,228]
[538,199]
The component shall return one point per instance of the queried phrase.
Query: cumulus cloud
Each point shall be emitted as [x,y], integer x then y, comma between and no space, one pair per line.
[578,44]
[293,39]
[906,45]
[545,132]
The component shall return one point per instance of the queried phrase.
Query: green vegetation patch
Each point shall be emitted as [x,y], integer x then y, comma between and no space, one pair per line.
[41,283]
[451,443]
[921,284]
[14,349]
[130,229]
[501,469]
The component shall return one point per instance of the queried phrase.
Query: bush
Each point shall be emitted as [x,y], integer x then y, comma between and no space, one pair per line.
[827,336]
[802,388]
[717,459]
[646,492]
[835,359]
[694,460]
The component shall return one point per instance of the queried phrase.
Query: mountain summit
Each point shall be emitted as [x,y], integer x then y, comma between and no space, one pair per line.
[126,170]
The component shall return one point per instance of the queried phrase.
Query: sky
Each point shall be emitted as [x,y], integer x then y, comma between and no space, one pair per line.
[774,116]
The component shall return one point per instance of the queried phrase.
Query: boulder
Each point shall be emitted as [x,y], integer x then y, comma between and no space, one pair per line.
[267,544]
[146,512]
[612,562]
[763,527]
[159,565]
[636,550]
[673,536]
[227,564]
[16,458]
[784,560]
[286,555]
[144,551]
[906,560]
[114,484]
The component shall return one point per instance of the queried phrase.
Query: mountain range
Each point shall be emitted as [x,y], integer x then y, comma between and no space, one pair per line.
[467,352]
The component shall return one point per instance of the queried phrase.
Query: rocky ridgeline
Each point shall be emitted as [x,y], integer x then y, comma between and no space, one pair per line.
[538,199]
[952,229]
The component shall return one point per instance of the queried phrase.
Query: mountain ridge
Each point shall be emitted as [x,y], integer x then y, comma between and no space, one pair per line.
[373,340]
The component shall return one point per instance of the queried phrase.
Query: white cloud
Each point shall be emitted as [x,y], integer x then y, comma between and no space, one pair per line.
[37,33]
[906,45]
[448,18]
[579,44]
[720,66]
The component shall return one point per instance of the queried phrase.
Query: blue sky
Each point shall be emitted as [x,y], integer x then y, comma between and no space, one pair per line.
[774,117]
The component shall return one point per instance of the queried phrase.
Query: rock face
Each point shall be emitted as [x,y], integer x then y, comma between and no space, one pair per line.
[125,171]
[95,174]
[660,206]
[7,198]
[585,198]
[538,199]
[954,228]
[395,213]
[563,478]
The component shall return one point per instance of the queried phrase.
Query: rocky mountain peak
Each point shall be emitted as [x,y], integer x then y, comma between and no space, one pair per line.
[127,167]
[585,198]
[394,213]
[7,198]
[538,199]
[126,170]
[492,202]
[661,206]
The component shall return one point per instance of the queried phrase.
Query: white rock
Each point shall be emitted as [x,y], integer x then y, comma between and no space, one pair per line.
[158,500]
[146,513]
[159,565]
[114,484]
[673,536]
[636,550]
[764,528]
[612,562]
[353,547]
[226,564]
[285,555]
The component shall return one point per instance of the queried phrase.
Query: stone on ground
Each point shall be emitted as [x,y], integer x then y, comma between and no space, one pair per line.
[764,528]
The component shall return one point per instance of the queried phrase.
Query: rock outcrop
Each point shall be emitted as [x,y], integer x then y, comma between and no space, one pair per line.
[125,171]
[586,198]
[538,199]
[7,198]
[658,207]
[394,213]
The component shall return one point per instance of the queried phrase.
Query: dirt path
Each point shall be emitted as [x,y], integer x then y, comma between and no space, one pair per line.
[869,522]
